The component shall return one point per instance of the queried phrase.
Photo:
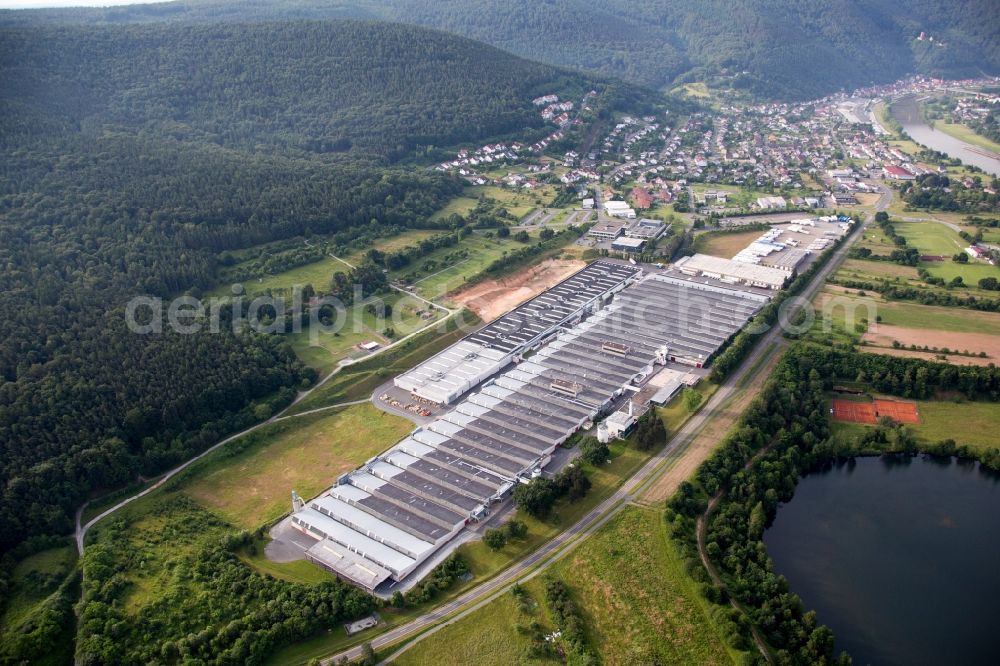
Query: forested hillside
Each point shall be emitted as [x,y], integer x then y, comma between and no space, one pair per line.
[775,48]
[131,156]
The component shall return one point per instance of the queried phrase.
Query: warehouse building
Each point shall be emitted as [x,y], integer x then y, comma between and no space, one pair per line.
[455,371]
[733,272]
[380,522]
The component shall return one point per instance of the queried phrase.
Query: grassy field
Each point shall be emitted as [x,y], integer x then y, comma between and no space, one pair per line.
[468,641]
[324,349]
[517,202]
[639,606]
[33,580]
[448,269]
[319,273]
[909,315]
[966,134]
[725,245]
[253,485]
[931,238]
[973,424]
[357,381]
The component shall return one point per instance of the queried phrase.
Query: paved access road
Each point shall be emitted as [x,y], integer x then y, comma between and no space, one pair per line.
[553,550]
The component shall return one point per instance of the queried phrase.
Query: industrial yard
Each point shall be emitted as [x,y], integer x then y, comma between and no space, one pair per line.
[591,352]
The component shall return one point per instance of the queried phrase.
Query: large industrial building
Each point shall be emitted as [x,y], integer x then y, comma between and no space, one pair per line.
[453,372]
[597,337]
[732,271]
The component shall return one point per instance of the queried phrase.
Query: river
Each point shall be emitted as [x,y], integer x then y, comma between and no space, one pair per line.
[901,559]
[906,111]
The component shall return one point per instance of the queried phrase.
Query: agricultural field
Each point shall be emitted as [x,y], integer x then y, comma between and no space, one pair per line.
[518,202]
[931,238]
[838,303]
[891,327]
[249,482]
[639,605]
[448,268]
[724,244]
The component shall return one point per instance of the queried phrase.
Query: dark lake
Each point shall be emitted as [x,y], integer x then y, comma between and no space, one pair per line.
[900,559]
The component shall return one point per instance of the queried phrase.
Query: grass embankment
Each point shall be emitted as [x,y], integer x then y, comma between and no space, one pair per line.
[245,485]
[967,134]
[357,381]
[249,481]
[638,603]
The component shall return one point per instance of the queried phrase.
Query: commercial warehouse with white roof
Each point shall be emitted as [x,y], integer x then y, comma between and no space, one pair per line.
[595,336]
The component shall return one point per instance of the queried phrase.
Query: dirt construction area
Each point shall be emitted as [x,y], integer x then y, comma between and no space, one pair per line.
[953,341]
[493,298]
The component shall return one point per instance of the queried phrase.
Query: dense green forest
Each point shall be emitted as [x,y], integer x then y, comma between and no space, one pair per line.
[774,48]
[785,433]
[134,158]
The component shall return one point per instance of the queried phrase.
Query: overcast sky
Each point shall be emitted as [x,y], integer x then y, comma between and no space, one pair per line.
[31,4]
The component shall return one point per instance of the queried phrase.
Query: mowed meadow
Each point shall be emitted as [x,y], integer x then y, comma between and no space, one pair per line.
[638,603]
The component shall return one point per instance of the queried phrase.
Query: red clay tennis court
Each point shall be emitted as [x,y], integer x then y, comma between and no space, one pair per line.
[898,410]
[855,412]
[868,412]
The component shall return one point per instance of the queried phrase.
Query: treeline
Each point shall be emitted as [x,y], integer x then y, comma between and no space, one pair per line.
[988,126]
[139,160]
[319,87]
[569,619]
[732,353]
[775,49]
[216,610]
[785,432]
[898,292]
[941,192]
[441,578]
